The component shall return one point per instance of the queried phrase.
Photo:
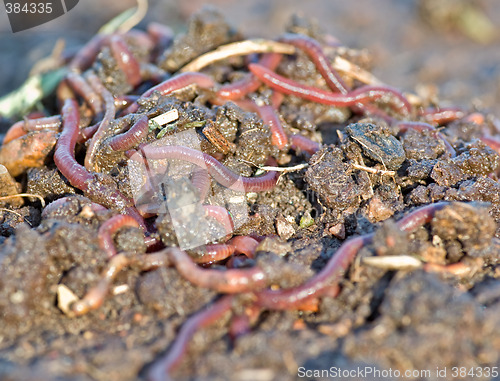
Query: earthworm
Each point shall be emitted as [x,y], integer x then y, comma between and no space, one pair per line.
[178,82]
[214,253]
[218,171]
[305,144]
[222,216]
[160,370]
[95,296]
[226,281]
[421,126]
[86,55]
[78,175]
[126,61]
[360,95]
[442,115]
[125,100]
[126,140]
[81,87]
[109,115]
[22,127]
[249,83]
[55,205]
[201,181]
[87,133]
[315,52]
[331,274]
[244,245]
[109,228]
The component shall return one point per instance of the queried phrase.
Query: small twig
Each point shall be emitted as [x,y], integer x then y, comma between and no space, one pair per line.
[393,262]
[136,18]
[295,168]
[42,201]
[374,170]
[356,72]
[17,214]
[239,48]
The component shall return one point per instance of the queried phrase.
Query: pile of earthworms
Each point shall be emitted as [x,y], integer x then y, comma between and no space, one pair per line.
[88,108]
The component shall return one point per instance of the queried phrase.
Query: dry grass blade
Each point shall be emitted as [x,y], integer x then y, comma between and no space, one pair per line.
[239,48]
[42,201]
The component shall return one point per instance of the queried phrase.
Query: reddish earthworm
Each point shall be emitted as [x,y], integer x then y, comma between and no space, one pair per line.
[226,281]
[54,205]
[219,172]
[109,115]
[87,133]
[315,52]
[244,245]
[125,60]
[160,371]
[421,126]
[178,82]
[24,126]
[331,274]
[442,115]
[109,228]
[127,140]
[249,83]
[360,95]
[86,55]
[78,175]
[222,216]
[305,144]
[89,95]
[125,100]
[214,253]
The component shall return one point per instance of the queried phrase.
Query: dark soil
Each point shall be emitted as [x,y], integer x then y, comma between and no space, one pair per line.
[365,177]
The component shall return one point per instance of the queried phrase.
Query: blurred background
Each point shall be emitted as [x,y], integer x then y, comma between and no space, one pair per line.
[448,46]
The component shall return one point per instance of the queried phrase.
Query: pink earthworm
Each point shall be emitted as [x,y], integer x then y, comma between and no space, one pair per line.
[109,228]
[221,215]
[125,59]
[249,83]
[362,94]
[331,274]
[244,245]
[175,83]
[86,55]
[162,369]
[22,127]
[81,87]
[126,140]
[201,180]
[87,133]
[219,172]
[78,175]
[421,126]
[55,205]
[442,115]
[214,253]
[305,144]
[109,115]
[226,281]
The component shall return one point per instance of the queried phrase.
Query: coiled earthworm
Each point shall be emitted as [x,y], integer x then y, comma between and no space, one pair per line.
[127,140]
[244,245]
[360,95]
[221,215]
[219,172]
[109,228]
[125,60]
